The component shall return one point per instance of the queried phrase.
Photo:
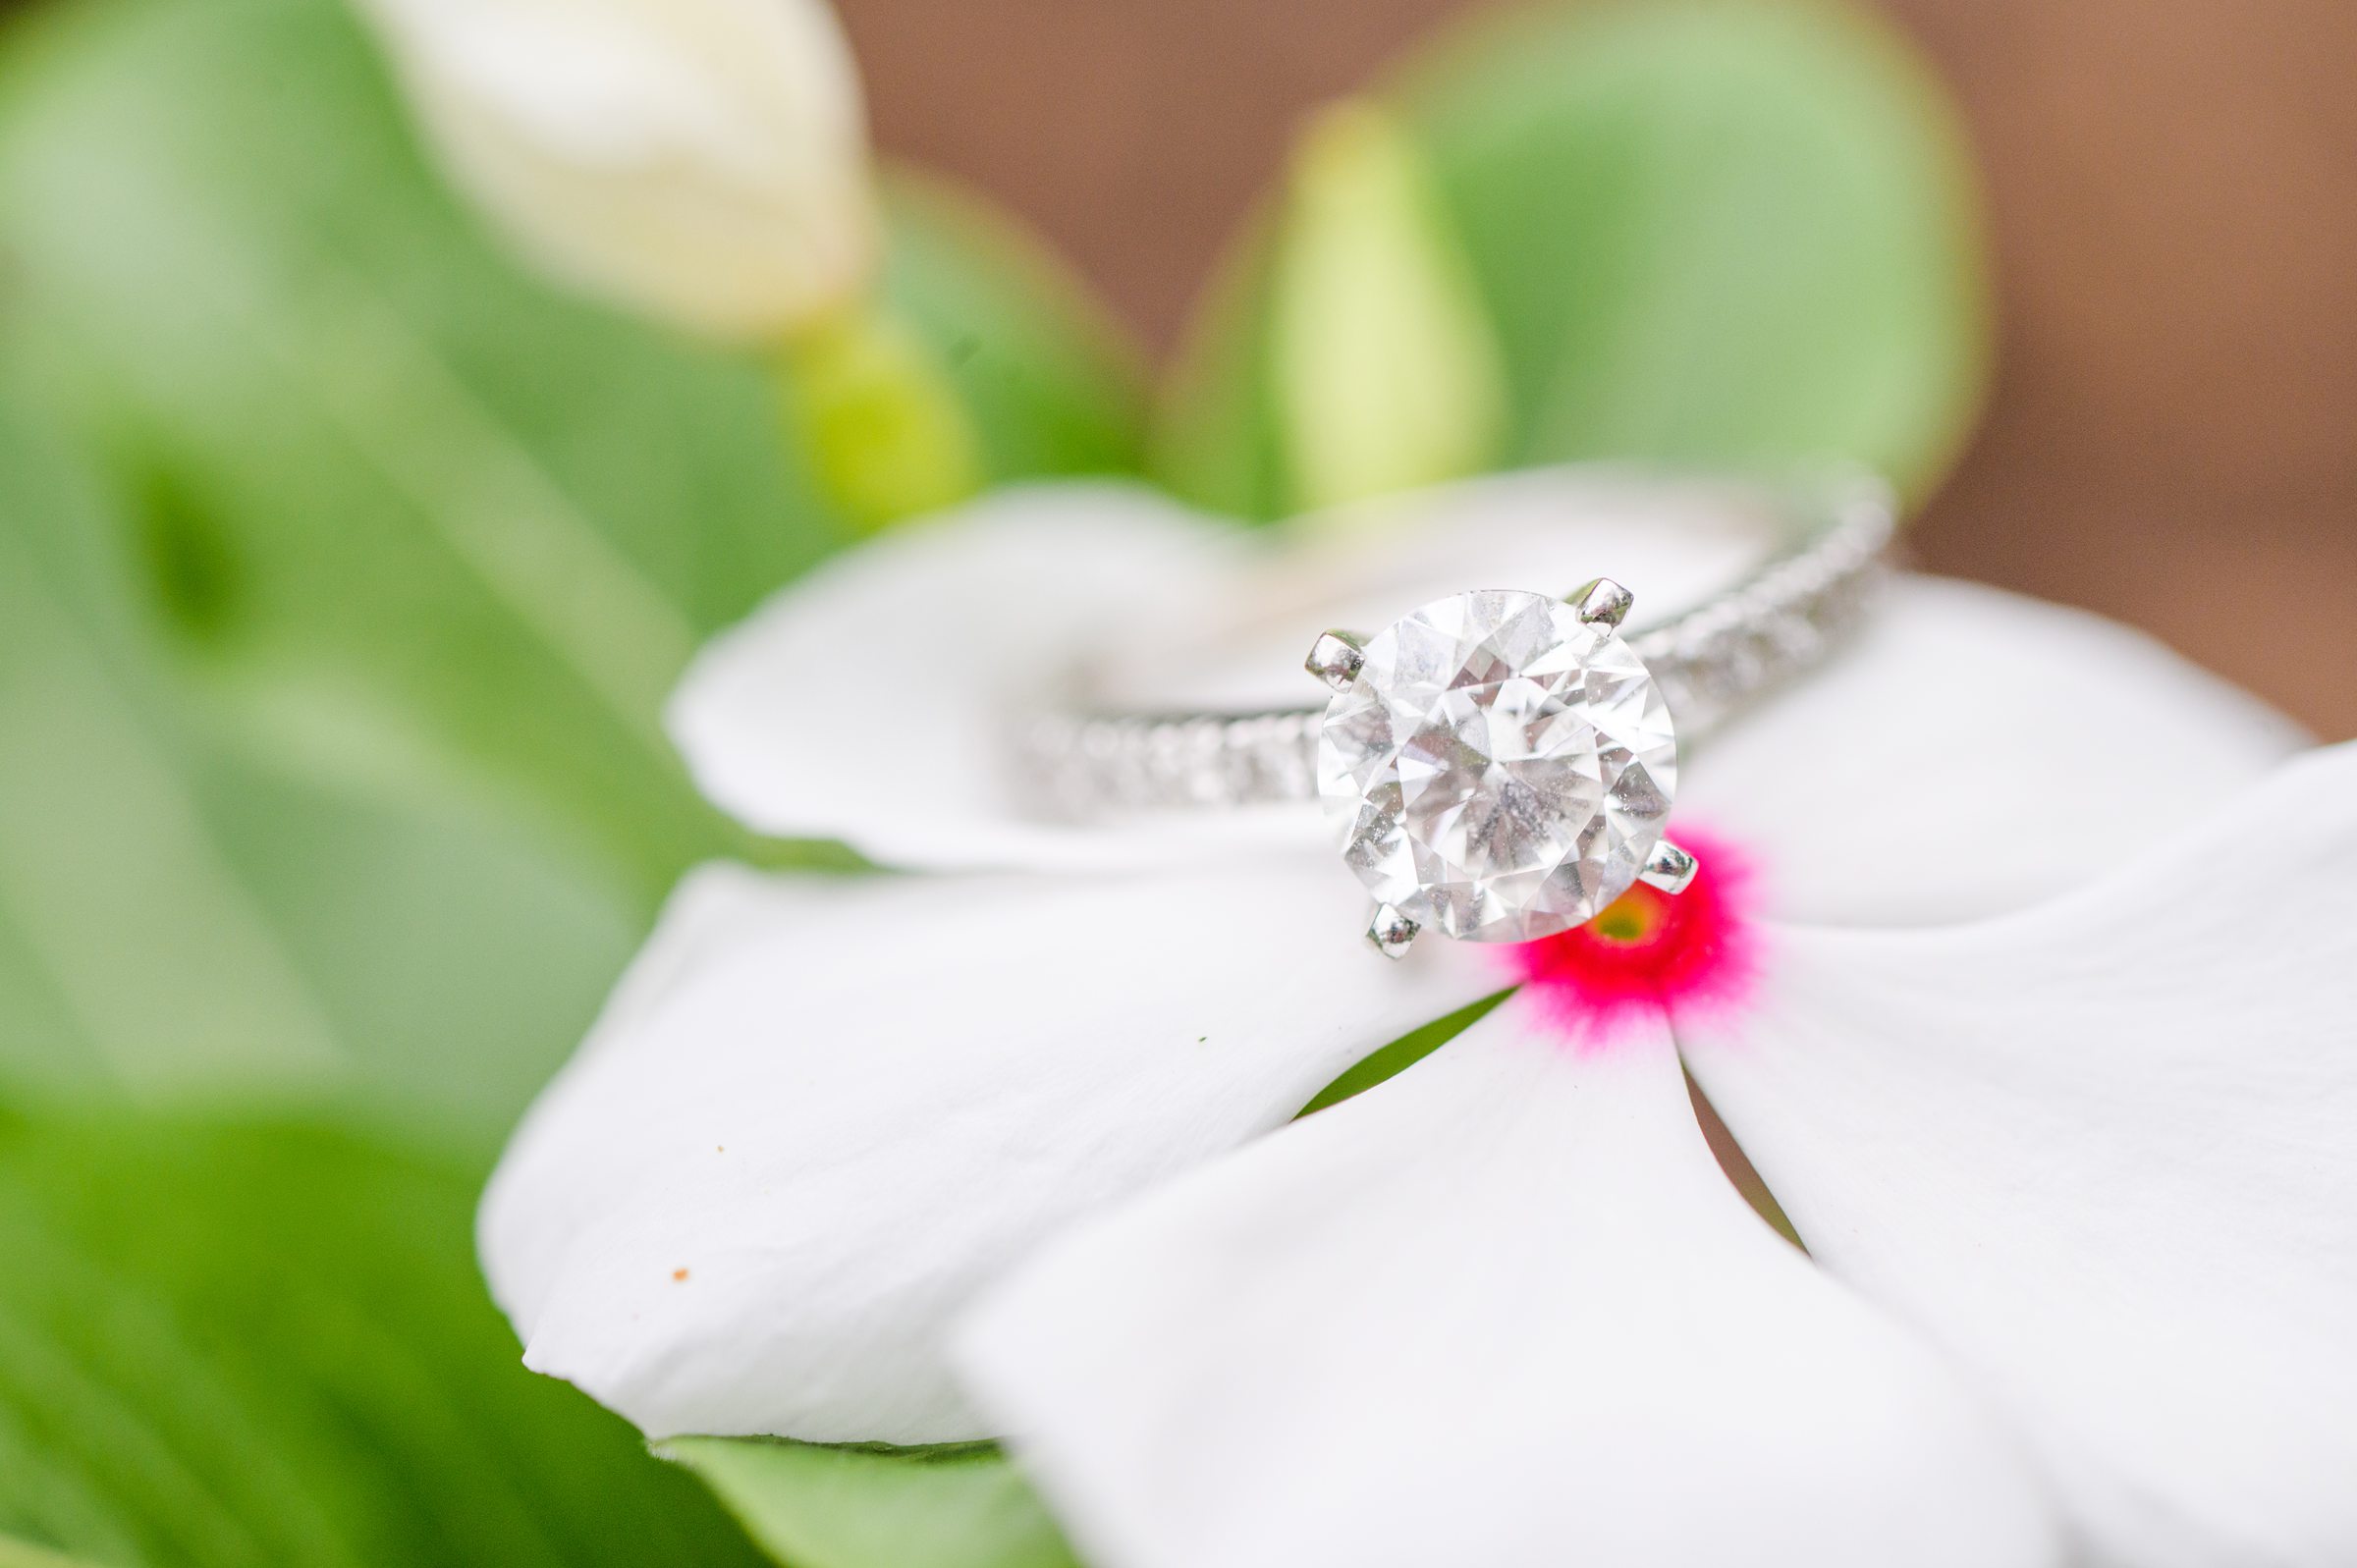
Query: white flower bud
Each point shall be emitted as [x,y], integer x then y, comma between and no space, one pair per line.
[701,160]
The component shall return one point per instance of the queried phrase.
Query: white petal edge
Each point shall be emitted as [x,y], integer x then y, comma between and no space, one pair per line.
[821,1113]
[2106,1152]
[1973,752]
[1503,1309]
[878,699]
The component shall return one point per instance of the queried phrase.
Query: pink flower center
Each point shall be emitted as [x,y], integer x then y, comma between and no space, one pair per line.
[1651,953]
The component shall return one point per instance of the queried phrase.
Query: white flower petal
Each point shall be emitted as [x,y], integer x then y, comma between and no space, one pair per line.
[1504,1310]
[877,699]
[701,159]
[1973,752]
[2106,1151]
[822,1112]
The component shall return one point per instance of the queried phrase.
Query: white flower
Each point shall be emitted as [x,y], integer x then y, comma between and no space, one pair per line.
[2047,1048]
[701,160]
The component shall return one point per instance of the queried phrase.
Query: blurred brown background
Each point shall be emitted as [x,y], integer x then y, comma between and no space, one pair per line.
[2174,189]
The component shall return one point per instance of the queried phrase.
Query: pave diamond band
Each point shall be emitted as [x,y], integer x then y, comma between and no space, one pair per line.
[1708,664]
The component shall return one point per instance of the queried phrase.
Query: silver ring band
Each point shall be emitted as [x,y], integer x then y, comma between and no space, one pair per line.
[1710,662]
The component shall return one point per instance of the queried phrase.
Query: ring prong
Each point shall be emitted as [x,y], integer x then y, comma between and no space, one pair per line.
[1391,931]
[1334,658]
[1669,868]
[1602,600]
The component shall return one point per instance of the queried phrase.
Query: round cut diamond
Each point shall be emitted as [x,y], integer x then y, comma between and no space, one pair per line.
[1498,769]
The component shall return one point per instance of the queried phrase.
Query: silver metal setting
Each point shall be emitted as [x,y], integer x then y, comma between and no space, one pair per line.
[1334,658]
[1669,868]
[1710,663]
[1602,600]
[1390,932]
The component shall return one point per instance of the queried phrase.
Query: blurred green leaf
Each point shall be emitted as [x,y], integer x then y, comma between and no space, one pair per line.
[1052,386]
[1706,230]
[352,567]
[407,518]
[178,916]
[241,1342]
[828,1508]
[16,1553]
[410,514]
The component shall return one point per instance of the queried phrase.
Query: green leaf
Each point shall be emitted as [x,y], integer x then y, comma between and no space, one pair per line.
[235,1342]
[16,1553]
[350,566]
[1216,437]
[829,1507]
[1052,386]
[178,916]
[397,500]
[409,520]
[1388,1061]
[1705,232]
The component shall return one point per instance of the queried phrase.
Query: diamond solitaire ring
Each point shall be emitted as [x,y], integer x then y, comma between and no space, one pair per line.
[1499,765]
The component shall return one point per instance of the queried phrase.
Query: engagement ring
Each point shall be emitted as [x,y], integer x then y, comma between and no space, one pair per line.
[1499,765]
